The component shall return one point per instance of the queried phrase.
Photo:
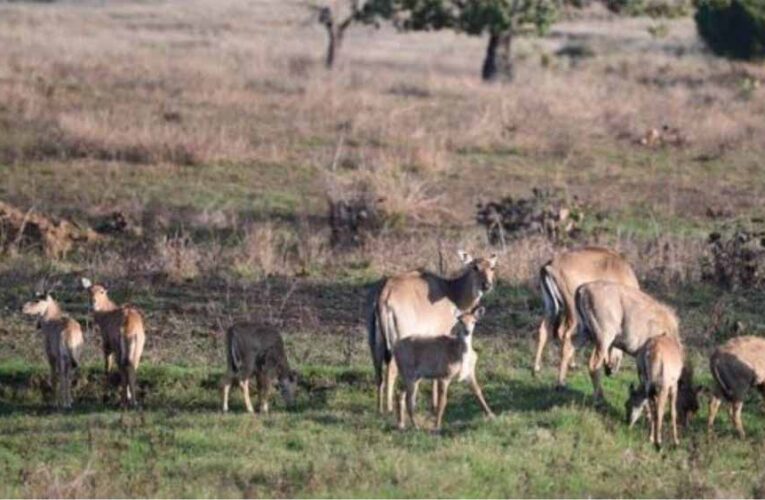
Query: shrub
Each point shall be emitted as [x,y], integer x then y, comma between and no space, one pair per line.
[733,28]
[735,258]
[652,8]
[544,213]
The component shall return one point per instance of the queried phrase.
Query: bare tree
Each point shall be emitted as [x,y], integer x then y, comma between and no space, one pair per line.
[336,18]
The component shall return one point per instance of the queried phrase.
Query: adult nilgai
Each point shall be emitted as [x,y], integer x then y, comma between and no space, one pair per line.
[63,343]
[615,315]
[560,277]
[123,337]
[736,366]
[421,303]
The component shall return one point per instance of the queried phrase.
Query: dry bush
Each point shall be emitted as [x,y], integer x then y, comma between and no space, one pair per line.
[735,258]
[262,251]
[43,482]
[178,258]
[545,213]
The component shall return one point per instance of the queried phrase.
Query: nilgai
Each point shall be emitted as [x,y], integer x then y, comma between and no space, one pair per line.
[255,349]
[63,344]
[736,366]
[122,336]
[663,377]
[440,358]
[614,315]
[559,278]
[420,303]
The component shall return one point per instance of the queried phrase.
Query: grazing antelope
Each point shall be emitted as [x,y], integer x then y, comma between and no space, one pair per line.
[560,278]
[736,366]
[258,350]
[663,377]
[440,358]
[420,303]
[611,314]
[63,344]
[123,337]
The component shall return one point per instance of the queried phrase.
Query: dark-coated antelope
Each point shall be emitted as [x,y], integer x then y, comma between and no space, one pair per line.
[559,279]
[63,344]
[123,337]
[440,358]
[611,314]
[420,303]
[736,366]
[258,350]
[663,378]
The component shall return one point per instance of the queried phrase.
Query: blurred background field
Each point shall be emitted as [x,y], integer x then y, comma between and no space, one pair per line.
[219,172]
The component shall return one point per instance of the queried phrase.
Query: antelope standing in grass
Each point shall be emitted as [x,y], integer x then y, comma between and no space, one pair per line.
[736,366]
[560,277]
[63,344]
[257,350]
[663,378]
[123,337]
[440,358]
[420,303]
[615,315]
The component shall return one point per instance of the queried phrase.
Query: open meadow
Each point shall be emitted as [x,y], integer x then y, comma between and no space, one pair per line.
[198,146]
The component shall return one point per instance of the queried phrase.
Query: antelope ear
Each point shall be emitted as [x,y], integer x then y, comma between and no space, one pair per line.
[493,260]
[86,283]
[479,312]
[465,257]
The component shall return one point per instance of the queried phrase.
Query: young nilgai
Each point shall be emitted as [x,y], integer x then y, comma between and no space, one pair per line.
[441,359]
[63,343]
[664,377]
[736,366]
[123,337]
[257,349]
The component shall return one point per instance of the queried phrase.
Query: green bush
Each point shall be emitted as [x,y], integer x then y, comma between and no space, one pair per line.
[651,8]
[733,28]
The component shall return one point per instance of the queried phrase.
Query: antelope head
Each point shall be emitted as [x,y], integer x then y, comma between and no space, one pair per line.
[636,402]
[481,272]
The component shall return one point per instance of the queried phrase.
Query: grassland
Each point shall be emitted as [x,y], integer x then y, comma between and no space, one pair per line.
[215,130]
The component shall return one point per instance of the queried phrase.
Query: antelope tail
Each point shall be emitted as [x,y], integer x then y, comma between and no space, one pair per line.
[726,390]
[234,360]
[552,297]
[584,331]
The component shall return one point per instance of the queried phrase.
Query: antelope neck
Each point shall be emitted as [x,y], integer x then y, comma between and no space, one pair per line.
[105,305]
[52,312]
[461,291]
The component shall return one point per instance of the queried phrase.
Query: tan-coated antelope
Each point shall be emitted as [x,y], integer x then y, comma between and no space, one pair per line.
[257,349]
[420,303]
[559,279]
[63,344]
[441,358]
[663,377]
[614,315]
[736,366]
[122,336]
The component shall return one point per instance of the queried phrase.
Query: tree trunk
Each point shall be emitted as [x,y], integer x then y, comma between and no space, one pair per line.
[335,36]
[498,63]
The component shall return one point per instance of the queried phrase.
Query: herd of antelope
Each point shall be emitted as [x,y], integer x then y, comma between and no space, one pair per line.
[591,297]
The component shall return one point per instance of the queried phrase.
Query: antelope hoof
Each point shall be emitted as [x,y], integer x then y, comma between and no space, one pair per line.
[535,371]
[560,387]
[491,416]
